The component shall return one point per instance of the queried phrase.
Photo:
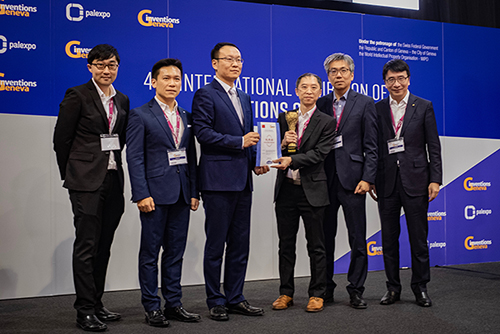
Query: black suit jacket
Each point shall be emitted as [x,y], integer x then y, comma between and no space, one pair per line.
[77,143]
[420,163]
[356,160]
[316,143]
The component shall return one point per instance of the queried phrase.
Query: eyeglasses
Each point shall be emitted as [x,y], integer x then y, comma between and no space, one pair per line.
[392,81]
[342,71]
[231,60]
[101,66]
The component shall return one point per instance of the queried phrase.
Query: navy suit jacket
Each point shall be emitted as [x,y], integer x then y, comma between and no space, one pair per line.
[315,145]
[77,137]
[356,160]
[420,163]
[224,164]
[149,139]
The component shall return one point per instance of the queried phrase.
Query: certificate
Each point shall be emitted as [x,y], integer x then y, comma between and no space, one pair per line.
[269,146]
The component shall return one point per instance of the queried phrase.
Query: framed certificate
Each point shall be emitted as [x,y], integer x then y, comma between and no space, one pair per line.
[269,146]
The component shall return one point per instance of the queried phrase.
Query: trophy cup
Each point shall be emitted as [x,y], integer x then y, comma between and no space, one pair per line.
[292,117]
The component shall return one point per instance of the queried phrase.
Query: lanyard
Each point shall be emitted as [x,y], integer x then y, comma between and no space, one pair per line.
[305,127]
[400,122]
[110,116]
[178,125]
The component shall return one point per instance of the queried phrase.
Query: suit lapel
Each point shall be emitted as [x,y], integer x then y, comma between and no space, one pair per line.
[410,111]
[160,117]
[98,103]
[183,115]
[351,101]
[225,97]
[387,118]
[313,122]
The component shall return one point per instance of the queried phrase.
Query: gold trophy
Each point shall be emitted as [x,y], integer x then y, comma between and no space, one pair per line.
[292,117]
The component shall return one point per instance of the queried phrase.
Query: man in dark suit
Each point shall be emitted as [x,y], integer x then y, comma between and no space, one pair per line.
[88,139]
[409,175]
[223,124]
[301,191]
[350,167]
[161,158]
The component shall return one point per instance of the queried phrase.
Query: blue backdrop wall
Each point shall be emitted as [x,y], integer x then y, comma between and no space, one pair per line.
[43,48]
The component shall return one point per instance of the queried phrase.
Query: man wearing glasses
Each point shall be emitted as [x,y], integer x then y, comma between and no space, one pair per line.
[88,138]
[350,167]
[223,125]
[409,176]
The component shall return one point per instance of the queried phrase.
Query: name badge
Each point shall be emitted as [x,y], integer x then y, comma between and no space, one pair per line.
[110,142]
[177,157]
[337,142]
[396,145]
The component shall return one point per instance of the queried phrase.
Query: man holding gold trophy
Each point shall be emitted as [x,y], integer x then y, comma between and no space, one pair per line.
[301,190]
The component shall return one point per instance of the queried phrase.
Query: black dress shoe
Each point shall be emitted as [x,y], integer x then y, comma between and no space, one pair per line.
[156,319]
[357,301]
[390,297]
[219,313]
[90,323]
[104,314]
[179,313]
[244,308]
[423,299]
[327,297]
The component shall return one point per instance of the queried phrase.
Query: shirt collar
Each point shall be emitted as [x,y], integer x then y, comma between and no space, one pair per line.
[308,114]
[224,85]
[101,93]
[404,100]
[165,106]
[343,96]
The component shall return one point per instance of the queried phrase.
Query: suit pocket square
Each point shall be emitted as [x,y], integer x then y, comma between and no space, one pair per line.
[189,125]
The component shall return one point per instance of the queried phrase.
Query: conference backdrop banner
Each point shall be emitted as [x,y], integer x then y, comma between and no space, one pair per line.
[44,47]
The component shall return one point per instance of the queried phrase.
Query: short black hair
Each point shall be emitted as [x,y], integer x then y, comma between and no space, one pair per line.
[164,63]
[215,51]
[320,82]
[395,65]
[102,52]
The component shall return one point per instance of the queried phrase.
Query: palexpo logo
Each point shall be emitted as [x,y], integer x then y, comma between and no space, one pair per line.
[146,20]
[79,13]
[475,186]
[5,45]
[470,212]
[16,85]
[73,51]
[470,244]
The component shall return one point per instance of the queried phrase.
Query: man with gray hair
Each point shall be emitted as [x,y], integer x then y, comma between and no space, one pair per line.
[350,167]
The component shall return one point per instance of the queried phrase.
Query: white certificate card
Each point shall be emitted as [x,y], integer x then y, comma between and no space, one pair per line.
[269,146]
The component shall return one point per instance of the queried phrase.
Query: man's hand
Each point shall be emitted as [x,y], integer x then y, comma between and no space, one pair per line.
[373,193]
[433,191]
[290,137]
[284,162]
[259,170]
[146,205]
[194,204]
[362,188]
[250,139]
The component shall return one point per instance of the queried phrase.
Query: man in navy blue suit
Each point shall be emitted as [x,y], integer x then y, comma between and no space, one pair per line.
[223,124]
[350,167]
[161,160]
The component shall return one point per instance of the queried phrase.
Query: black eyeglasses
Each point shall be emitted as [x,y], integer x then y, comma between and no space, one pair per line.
[101,66]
